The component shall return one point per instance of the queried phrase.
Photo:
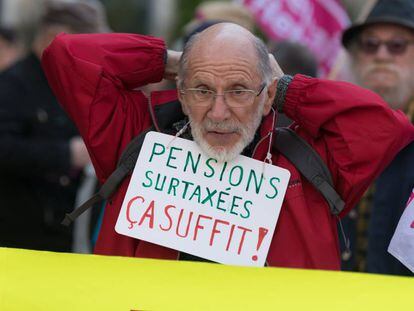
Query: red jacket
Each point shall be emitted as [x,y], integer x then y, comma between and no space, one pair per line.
[94,77]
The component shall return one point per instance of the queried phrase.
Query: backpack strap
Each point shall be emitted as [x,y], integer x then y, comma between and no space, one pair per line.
[162,116]
[288,143]
[310,164]
[125,165]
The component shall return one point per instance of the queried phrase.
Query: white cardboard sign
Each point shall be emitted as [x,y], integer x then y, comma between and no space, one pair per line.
[402,242]
[182,199]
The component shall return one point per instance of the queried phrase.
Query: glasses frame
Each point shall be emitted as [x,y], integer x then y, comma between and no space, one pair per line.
[388,45]
[213,95]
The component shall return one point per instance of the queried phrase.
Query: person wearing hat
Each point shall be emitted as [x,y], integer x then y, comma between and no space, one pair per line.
[382,56]
[41,153]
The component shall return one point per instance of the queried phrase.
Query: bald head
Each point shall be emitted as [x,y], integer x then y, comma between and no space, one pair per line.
[221,42]
[224,35]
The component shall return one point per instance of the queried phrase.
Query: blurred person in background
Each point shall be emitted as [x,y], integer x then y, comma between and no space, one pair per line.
[382,54]
[212,12]
[41,154]
[9,49]
[293,58]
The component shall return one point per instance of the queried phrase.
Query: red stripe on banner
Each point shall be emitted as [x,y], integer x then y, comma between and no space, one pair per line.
[316,24]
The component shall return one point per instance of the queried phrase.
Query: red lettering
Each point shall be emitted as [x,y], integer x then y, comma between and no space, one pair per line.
[214,231]
[188,224]
[149,213]
[198,226]
[230,237]
[168,216]
[132,222]
[242,238]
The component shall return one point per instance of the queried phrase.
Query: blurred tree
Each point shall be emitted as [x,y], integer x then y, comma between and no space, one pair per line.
[185,13]
[128,15]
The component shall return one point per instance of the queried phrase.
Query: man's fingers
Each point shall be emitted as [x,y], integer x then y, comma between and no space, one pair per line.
[171,67]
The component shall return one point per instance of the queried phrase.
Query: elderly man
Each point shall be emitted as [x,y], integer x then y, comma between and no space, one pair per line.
[226,89]
[382,53]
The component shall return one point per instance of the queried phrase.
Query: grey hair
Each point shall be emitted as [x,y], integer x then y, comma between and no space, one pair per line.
[264,68]
[183,64]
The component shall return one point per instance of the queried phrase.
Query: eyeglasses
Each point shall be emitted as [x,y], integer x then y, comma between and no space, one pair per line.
[233,98]
[396,46]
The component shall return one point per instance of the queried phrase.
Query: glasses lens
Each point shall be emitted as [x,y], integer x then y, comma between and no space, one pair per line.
[239,98]
[200,97]
[394,46]
[397,46]
[369,45]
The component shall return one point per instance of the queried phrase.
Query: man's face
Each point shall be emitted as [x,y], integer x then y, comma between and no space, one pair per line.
[9,53]
[223,125]
[387,69]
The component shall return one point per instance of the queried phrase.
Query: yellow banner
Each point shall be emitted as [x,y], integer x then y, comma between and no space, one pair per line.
[33,280]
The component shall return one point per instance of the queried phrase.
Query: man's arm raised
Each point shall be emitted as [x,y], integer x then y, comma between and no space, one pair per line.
[359,133]
[94,77]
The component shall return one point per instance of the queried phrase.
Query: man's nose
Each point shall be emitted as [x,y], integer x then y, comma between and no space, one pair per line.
[219,110]
[383,53]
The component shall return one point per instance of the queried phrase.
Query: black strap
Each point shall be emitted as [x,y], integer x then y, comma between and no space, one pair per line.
[310,164]
[125,165]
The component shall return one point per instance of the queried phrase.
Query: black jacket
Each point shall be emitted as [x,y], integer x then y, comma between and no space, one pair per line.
[392,190]
[37,185]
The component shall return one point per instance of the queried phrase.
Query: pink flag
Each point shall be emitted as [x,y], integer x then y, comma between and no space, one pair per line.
[402,243]
[317,24]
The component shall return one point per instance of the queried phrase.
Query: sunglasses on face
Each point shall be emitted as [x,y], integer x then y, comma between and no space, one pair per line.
[371,45]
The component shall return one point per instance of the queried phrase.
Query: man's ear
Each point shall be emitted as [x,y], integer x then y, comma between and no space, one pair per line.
[181,98]
[271,93]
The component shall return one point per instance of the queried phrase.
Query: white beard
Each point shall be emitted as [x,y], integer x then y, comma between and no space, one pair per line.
[397,96]
[221,154]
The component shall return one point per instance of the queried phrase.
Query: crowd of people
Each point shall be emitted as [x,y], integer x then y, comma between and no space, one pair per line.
[74,101]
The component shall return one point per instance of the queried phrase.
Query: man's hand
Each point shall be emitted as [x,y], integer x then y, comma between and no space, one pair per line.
[78,153]
[277,71]
[171,68]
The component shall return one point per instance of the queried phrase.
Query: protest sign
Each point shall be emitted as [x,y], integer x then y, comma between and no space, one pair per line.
[182,199]
[402,242]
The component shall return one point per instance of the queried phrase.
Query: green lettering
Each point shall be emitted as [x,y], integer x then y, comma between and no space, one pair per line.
[274,187]
[170,156]
[157,153]
[173,185]
[257,184]
[189,159]
[246,209]
[209,196]
[147,173]
[220,200]
[210,167]
[222,170]
[234,204]
[186,184]
[196,193]
[240,177]
[160,186]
